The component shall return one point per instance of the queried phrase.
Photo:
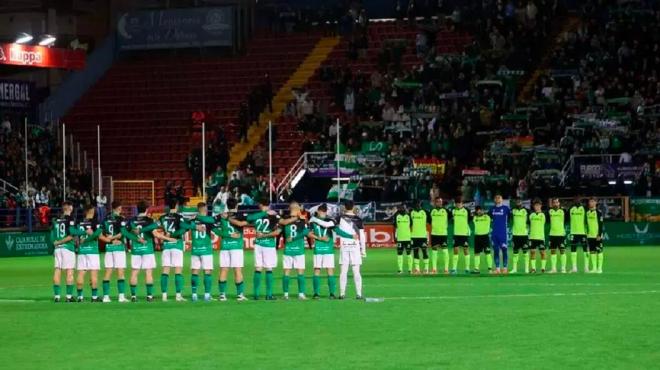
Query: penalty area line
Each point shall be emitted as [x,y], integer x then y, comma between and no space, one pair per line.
[526,295]
[3,300]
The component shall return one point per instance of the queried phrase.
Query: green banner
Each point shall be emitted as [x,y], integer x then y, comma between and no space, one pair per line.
[631,233]
[20,244]
[645,209]
[375,147]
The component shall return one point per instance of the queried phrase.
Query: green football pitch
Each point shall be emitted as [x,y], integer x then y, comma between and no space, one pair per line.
[479,322]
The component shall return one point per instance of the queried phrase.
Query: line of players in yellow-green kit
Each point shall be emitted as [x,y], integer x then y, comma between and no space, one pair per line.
[578,227]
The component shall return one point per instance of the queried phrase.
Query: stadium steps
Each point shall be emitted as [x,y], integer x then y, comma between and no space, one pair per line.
[299,78]
[569,24]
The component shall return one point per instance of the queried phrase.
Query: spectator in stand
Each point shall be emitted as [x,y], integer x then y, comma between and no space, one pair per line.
[6,125]
[101,204]
[267,92]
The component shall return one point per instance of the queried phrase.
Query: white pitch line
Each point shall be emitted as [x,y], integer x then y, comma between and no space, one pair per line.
[514,284]
[2,300]
[528,295]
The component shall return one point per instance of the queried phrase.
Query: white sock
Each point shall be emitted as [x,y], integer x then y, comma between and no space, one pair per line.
[357,278]
[121,296]
[343,279]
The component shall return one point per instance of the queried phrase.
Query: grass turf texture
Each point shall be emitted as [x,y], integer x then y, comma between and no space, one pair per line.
[494,322]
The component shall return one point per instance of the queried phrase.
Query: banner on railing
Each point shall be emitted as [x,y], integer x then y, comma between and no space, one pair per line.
[434,166]
[41,56]
[610,171]
[16,94]
[176,28]
[645,209]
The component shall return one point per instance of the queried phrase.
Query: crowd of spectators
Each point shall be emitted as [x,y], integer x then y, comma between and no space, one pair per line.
[44,169]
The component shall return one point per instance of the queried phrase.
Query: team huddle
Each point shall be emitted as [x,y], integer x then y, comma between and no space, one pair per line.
[76,247]
[491,230]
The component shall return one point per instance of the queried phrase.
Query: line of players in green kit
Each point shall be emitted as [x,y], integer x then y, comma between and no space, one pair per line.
[76,247]
[578,227]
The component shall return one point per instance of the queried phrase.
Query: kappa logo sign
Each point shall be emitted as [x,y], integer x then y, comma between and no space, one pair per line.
[25,57]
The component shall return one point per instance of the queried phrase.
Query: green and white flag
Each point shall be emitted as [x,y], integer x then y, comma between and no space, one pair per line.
[347,191]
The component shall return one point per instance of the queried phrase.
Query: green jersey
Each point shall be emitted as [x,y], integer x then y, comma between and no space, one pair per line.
[294,235]
[557,222]
[402,225]
[577,215]
[537,226]
[114,225]
[419,220]
[200,229]
[520,221]
[143,227]
[89,244]
[174,225]
[594,224]
[439,221]
[63,227]
[227,229]
[320,246]
[265,224]
[461,218]
[481,224]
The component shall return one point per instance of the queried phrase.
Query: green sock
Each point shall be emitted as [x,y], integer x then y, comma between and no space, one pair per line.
[586,261]
[269,283]
[301,283]
[133,290]
[445,258]
[106,287]
[527,261]
[332,284]
[532,263]
[454,261]
[399,262]
[416,263]
[594,262]
[240,287]
[222,286]
[514,261]
[95,292]
[410,262]
[121,286]
[164,280]
[574,260]
[477,262]
[69,289]
[562,259]
[426,264]
[257,283]
[601,256]
[553,261]
[79,291]
[150,289]
[543,262]
[285,284]
[207,283]
[434,259]
[178,283]
[467,261]
[194,281]
[316,284]
[56,289]
[489,261]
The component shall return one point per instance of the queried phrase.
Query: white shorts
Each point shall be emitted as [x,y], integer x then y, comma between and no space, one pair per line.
[350,256]
[265,257]
[173,258]
[87,262]
[231,258]
[294,262]
[324,261]
[115,260]
[143,261]
[201,262]
[64,259]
